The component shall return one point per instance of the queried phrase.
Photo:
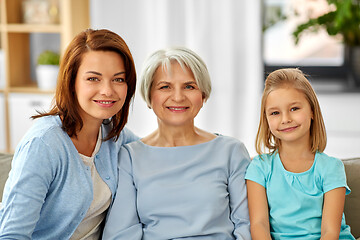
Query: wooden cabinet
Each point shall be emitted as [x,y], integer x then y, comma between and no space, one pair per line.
[16,38]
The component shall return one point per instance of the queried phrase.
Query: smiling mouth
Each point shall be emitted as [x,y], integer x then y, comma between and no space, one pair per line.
[104,102]
[177,108]
[288,129]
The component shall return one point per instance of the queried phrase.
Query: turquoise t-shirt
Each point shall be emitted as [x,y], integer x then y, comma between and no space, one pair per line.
[296,199]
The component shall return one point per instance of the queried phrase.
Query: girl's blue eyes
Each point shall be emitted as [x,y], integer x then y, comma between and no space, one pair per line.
[291,110]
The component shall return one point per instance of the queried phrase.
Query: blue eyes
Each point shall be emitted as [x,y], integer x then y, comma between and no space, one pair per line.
[293,109]
[188,87]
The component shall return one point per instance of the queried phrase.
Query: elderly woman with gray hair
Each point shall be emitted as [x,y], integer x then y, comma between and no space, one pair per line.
[180,181]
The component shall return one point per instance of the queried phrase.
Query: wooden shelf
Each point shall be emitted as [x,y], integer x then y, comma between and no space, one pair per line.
[30,89]
[32,28]
[16,41]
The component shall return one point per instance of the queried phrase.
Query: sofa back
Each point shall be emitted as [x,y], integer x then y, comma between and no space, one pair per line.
[352,201]
[5,165]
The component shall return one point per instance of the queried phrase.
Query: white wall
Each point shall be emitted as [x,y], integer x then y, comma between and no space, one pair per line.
[341,112]
[226,34]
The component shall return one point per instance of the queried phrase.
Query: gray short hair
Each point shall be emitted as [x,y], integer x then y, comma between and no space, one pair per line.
[164,58]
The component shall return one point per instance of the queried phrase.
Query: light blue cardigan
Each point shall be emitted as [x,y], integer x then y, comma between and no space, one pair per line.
[49,189]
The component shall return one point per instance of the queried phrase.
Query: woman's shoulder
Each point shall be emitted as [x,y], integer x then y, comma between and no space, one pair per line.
[134,146]
[227,139]
[46,128]
[127,136]
[44,140]
[231,146]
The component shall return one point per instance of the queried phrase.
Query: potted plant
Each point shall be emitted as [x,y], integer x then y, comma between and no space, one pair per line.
[342,20]
[47,69]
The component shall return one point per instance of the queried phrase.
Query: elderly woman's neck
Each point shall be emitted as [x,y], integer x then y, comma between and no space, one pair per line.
[177,136]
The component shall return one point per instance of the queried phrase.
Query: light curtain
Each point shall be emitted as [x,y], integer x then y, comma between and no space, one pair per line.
[225,33]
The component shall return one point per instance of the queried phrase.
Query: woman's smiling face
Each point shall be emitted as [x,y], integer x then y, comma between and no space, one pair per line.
[100,85]
[175,96]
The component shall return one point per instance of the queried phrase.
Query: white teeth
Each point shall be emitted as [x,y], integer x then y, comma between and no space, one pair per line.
[174,108]
[103,102]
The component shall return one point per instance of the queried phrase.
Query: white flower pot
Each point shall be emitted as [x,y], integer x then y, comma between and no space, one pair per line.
[47,76]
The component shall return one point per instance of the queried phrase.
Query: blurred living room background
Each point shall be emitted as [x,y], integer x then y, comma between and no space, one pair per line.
[240,41]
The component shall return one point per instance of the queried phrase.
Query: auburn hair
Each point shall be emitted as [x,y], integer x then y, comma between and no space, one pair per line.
[65,101]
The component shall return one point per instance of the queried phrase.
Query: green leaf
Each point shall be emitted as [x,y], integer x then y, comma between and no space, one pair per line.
[48,58]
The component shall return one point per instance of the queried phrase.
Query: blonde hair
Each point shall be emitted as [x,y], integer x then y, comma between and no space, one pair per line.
[295,78]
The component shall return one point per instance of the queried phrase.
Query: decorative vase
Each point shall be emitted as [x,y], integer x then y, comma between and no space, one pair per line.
[47,76]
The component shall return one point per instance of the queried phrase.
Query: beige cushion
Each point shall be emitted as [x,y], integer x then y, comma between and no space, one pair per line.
[5,165]
[352,201]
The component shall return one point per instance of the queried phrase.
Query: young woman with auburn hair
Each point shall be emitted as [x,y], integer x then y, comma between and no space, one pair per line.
[64,171]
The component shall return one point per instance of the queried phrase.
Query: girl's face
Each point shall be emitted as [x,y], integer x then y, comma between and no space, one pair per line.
[175,97]
[289,115]
[100,85]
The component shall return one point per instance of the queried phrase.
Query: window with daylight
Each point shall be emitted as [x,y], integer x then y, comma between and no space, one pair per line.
[317,54]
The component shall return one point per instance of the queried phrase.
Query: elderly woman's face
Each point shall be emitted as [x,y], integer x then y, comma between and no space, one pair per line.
[175,97]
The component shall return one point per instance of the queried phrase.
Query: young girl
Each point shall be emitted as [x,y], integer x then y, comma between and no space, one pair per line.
[296,191]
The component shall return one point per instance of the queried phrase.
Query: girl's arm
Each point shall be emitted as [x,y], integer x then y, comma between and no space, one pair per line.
[332,213]
[258,211]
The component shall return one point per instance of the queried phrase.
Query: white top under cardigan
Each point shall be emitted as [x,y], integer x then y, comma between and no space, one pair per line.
[90,227]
